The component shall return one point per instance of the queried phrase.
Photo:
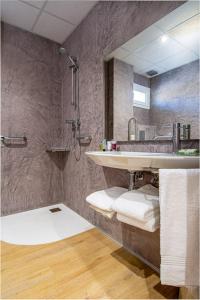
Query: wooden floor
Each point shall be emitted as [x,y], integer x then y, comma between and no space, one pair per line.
[87,266]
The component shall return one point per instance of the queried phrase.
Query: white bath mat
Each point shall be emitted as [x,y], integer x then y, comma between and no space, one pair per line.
[41,226]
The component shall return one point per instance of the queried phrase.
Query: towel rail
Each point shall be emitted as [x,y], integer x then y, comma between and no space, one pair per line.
[16,138]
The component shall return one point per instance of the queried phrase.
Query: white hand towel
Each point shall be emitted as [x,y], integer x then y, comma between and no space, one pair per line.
[151,225]
[138,205]
[179,208]
[107,214]
[149,189]
[104,199]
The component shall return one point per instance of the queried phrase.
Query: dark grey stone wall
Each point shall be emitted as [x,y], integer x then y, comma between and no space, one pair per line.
[30,105]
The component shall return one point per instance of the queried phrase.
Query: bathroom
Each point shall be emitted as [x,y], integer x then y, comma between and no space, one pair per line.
[60,100]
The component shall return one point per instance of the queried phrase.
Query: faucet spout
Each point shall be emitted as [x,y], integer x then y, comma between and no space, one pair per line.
[176,136]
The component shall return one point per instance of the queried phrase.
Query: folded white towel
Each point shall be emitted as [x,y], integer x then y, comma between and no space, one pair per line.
[151,225]
[179,209]
[149,189]
[104,199]
[107,214]
[141,204]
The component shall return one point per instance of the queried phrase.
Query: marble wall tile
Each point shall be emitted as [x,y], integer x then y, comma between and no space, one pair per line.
[109,25]
[31,93]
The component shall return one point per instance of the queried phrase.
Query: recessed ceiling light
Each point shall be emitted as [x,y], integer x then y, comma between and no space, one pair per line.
[164,38]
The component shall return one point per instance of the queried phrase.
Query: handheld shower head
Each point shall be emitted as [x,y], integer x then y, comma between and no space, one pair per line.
[62,50]
[72,59]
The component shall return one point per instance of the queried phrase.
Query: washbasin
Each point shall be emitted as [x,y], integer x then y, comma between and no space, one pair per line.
[143,160]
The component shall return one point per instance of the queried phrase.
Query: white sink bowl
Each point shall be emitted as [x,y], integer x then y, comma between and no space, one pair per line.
[143,160]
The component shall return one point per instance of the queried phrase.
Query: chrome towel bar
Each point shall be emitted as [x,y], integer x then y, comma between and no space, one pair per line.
[16,138]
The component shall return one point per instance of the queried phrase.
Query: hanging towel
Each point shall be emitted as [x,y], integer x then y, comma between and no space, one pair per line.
[141,204]
[179,208]
[104,199]
[151,225]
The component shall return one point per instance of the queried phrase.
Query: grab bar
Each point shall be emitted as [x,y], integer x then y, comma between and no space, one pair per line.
[9,138]
[163,137]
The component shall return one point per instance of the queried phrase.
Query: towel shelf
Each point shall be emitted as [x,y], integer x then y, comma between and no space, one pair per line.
[84,139]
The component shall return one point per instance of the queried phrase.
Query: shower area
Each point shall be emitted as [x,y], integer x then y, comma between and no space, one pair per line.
[73,124]
[40,129]
[71,62]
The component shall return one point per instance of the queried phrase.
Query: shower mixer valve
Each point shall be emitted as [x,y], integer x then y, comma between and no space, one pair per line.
[73,122]
[76,124]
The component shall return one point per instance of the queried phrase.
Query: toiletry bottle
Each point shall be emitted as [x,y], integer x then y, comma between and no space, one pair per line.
[104,144]
[109,146]
[101,146]
[114,145]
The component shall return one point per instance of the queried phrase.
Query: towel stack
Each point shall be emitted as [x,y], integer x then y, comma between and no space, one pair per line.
[139,208]
[102,201]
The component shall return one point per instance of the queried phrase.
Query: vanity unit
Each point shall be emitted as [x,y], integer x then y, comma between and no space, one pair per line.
[143,161]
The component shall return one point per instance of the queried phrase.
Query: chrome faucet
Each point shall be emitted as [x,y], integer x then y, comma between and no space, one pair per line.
[176,136]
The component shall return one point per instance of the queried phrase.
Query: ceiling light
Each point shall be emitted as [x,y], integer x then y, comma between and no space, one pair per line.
[164,38]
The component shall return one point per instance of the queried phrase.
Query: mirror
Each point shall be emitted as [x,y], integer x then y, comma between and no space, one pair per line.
[152,81]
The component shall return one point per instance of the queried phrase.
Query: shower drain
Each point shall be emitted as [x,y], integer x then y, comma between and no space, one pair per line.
[55,209]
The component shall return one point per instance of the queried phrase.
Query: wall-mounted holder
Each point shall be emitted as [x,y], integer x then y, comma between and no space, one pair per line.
[58,149]
[84,139]
[14,141]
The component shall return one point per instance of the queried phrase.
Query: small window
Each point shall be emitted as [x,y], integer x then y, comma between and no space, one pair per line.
[141,96]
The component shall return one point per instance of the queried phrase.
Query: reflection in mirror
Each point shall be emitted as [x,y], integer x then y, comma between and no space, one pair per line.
[153,80]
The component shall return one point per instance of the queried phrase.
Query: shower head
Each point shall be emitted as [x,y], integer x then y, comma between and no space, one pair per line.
[72,59]
[62,50]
